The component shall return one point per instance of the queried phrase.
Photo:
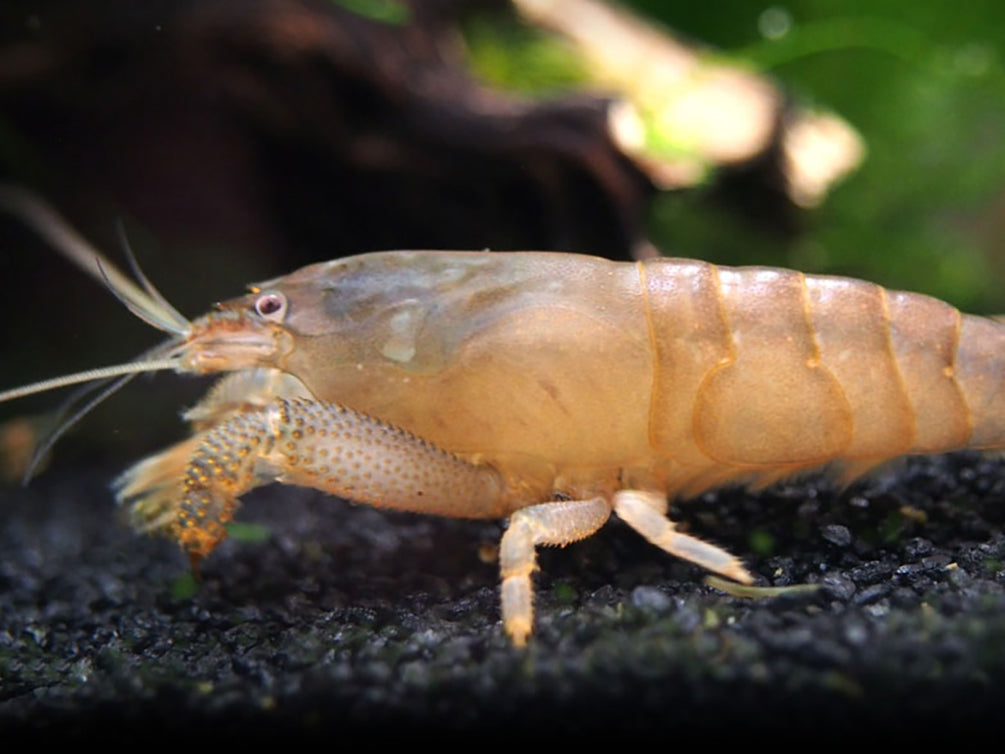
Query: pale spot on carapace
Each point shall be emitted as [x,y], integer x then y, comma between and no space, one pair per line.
[400,344]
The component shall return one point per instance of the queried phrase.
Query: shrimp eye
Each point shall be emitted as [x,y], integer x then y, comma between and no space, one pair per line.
[271,306]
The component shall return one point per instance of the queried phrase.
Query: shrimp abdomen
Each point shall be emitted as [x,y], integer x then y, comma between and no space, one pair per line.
[979,370]
[765,371]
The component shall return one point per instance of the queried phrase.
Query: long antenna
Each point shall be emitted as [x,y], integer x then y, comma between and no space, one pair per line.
[88,376]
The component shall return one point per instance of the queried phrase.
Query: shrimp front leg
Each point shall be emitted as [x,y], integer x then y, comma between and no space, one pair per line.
[328,447]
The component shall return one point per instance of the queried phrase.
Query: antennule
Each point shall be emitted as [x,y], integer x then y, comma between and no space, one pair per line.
[47,222]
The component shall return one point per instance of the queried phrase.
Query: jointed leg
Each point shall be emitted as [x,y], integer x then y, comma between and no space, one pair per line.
[557,523]
[646,513]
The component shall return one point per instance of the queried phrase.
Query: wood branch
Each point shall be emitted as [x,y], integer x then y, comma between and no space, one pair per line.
[306,130]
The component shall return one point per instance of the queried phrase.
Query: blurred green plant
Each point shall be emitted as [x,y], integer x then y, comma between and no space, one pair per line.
[925,88]
[387,11]
[511,55]
[923,85]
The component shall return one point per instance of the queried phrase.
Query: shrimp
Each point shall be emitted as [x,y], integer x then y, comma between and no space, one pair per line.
[551,389]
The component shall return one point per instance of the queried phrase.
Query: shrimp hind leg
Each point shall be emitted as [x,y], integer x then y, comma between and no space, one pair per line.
[646,513]
[566,521]
[555,523]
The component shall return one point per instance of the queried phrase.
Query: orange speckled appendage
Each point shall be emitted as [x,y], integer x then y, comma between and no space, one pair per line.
[222,468]
[336,449]
[328,447]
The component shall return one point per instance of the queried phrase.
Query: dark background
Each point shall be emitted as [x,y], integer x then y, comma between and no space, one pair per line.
[239,140]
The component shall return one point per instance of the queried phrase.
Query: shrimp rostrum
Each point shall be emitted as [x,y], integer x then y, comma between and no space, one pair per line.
[552,389]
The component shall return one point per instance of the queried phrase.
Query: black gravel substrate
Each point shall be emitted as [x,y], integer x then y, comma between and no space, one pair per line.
[329,621]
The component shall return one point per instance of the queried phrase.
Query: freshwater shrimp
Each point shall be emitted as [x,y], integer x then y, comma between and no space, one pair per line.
[551,389]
